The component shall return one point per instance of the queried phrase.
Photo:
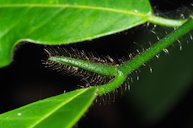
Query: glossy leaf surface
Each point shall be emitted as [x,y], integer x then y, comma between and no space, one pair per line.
[61,111]
[64,21]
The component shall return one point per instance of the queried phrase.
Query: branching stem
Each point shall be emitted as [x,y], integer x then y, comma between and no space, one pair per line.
[120,73]
[129,66]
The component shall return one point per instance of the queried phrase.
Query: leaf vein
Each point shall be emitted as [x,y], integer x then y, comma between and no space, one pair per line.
[58,107]
[121,11]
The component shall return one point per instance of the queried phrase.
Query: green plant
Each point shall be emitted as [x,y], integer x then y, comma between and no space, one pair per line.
[92,12]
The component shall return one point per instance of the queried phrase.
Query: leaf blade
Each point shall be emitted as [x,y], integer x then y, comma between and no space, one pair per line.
[55,108]
[65,22]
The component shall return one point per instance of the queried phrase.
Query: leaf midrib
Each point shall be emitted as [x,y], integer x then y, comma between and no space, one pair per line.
[107,9]
[58,107]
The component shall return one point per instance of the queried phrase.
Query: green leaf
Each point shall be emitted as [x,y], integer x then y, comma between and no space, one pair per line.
[65,21]
[61,111]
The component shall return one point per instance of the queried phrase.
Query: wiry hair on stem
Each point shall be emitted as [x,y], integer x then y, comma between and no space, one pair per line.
[103,70]
[120,73]
[90,68]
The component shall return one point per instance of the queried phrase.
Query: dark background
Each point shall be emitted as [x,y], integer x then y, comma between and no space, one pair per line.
[27,80]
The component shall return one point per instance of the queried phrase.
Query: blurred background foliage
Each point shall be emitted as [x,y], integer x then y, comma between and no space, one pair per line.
[163,98]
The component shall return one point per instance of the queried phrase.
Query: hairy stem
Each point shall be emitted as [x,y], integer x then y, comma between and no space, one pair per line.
[98,68]
[112,85]
[129,66]
[142,58]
